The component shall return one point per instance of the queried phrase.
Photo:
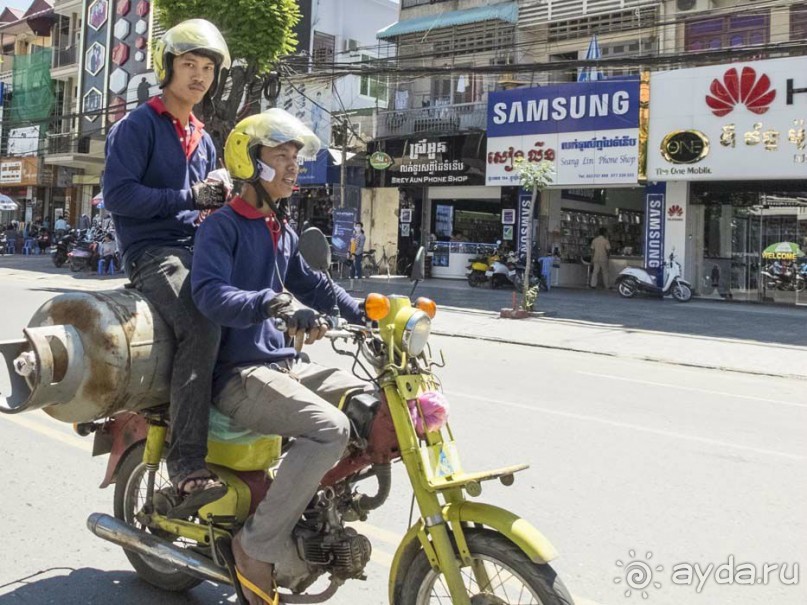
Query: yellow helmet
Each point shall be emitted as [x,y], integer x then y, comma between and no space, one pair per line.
[193,35]
[268,129]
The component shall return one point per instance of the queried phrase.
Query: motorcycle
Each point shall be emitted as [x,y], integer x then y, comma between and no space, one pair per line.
[91,359]
[476,271]
[790,277]
[632,280]
[59,254]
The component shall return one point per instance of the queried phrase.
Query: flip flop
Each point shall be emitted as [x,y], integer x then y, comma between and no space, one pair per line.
[224,547]
[193,501]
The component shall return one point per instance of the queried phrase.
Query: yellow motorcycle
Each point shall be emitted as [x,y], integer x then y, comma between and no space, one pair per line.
[97,360]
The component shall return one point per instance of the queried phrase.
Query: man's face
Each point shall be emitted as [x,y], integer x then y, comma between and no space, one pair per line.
[192,77]
[283,159]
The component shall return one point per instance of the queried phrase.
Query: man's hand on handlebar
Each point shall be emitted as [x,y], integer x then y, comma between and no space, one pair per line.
[302,323]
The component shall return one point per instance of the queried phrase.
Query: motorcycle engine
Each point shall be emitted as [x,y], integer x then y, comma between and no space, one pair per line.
[345,553]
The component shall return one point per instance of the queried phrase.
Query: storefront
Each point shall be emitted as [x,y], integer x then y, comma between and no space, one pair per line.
[590,133]
[443,198]
[744,164]
[28,182]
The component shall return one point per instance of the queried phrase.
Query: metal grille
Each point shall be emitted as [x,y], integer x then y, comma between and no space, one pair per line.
[537,12]
[609,22]
[460,40]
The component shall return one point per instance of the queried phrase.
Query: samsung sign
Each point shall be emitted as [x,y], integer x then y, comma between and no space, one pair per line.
[588,130]
[564,108]
[655,203]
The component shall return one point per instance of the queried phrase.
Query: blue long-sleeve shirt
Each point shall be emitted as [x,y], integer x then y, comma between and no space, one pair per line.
[237,268]
[147,180]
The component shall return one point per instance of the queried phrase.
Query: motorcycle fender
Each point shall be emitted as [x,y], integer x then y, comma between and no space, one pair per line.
[685,282]
[117,437]
[519,531]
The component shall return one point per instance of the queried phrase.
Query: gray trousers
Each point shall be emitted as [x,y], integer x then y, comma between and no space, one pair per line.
[293,399]
[600,266]
[162,275]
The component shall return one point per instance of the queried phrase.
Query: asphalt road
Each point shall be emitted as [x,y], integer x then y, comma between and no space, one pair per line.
[694,466]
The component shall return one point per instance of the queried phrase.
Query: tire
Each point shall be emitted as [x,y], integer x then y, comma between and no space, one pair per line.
[76,265]
[368,268]
[801,284]
[627,288]
[422,586]
[475,279]
[681,292]
[130,484]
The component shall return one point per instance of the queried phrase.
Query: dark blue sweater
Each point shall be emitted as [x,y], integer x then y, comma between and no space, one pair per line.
[236,270]
[147,182]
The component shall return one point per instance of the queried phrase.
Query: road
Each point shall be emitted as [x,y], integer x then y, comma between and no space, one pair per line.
[694,466]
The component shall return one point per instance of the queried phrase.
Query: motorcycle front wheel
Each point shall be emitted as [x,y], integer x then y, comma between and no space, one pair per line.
[506,571]
[130,496]
[627,288]
[76,265]
[476,279]
[681,292]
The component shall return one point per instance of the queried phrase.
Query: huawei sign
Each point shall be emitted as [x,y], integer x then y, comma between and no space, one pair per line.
[675,211]
[740,89]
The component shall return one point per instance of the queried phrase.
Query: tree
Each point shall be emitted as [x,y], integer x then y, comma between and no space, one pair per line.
[535,177]
[257,33]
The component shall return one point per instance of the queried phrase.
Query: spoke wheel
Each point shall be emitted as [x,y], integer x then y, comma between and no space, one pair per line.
[501,574]
[130,497]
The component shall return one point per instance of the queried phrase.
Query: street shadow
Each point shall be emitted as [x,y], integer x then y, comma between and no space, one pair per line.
[764,323]
[88,586]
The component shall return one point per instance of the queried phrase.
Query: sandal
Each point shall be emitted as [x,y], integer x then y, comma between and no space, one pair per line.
[224,548]
[205,487]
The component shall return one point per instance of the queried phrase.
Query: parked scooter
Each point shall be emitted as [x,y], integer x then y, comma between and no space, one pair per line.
[103,372]
[632,280]
[785,276]
[62,249]
[478,267]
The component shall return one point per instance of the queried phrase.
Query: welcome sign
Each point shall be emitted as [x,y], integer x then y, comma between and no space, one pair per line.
[588,130]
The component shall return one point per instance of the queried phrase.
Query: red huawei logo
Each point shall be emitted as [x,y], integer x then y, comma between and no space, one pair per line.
[675,211]
[755,93]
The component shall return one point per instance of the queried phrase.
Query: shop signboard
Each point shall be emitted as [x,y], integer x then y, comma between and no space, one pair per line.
[313,172]
[588,130]
[743,121]
[23,171]
[426,161]
[343,221]
[655,203]
[524,220]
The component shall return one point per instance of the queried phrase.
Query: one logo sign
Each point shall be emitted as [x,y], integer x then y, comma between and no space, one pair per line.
[685,146]
[380,160]
[675,211]
[740,89]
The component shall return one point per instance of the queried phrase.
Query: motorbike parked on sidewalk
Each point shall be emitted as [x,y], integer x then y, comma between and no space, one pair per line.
[476,271]
[59,253]
[91,359]
[632,280]
[785,277]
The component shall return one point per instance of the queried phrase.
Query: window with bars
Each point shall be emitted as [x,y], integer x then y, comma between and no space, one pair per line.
[609,22]
[373,86]
[324,45]
[798,22]
[729,31]
[461,39]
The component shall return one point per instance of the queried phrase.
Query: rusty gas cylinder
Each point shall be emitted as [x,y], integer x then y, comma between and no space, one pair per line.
[87,356]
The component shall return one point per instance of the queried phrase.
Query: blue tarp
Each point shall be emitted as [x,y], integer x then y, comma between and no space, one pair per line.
[506,11]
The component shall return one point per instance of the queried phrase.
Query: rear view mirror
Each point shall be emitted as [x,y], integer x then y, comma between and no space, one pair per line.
[419,266]
[315,249]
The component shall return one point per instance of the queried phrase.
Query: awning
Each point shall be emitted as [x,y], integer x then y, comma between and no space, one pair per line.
[506,11]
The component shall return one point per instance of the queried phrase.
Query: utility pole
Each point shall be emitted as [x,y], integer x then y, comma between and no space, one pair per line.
[343,167]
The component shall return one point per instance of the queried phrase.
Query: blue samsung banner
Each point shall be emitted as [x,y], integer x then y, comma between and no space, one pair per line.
[574,107]
[314,172]
[524,220]
[655,204]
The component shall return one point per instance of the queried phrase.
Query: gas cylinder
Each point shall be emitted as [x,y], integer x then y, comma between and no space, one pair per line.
[88,355]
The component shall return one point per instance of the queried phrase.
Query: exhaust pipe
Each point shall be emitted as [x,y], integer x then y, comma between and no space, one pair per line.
[116,531]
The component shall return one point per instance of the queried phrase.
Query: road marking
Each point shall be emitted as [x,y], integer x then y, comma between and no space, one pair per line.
[694,389]
[42,429]
[635,427]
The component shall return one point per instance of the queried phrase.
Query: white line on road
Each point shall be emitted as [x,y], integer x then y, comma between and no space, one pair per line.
[635,427]
[33,425]
[694,389]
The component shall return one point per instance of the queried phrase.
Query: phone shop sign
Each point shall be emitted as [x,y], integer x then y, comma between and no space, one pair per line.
[588,130]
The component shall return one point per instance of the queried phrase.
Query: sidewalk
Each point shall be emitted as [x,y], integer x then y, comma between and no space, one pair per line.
[740,337]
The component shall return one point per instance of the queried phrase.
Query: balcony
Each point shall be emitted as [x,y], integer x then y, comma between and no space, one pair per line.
[68,149]
[66,7]
[448,119]
[64,63]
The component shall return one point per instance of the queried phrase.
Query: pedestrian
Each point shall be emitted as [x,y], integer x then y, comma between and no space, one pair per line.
[246,273]
[108,252]
[357,250]
[61,226]
[84,222]
[156,186]
[601,249]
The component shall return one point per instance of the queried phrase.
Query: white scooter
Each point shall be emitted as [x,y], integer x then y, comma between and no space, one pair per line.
[636,279]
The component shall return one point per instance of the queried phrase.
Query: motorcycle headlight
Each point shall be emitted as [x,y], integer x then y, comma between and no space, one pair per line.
[415,332]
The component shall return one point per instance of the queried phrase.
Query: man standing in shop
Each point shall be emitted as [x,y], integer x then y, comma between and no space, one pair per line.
[601,249]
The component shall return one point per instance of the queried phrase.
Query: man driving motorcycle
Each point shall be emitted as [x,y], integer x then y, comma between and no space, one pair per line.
[247,273]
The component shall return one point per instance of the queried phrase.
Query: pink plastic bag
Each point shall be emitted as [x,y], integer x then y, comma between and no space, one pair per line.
[435,412]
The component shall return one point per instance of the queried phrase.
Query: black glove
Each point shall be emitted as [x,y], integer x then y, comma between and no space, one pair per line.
[301,321]
[209,195]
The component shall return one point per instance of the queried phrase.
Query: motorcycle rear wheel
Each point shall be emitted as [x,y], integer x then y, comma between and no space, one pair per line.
[627,288]
[475,279]
[76,265]
[130,492]
[500,557]
[681,292]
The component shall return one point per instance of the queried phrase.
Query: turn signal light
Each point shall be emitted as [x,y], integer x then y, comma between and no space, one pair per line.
[427,305]
[376,307]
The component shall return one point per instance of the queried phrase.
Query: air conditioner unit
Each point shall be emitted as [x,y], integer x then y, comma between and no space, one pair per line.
[691,6]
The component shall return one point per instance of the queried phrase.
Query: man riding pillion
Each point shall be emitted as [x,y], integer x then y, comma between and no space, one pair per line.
[156,186]
[247,273]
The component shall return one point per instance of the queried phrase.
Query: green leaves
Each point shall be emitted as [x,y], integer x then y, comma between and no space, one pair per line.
[256,31]
[534,175]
